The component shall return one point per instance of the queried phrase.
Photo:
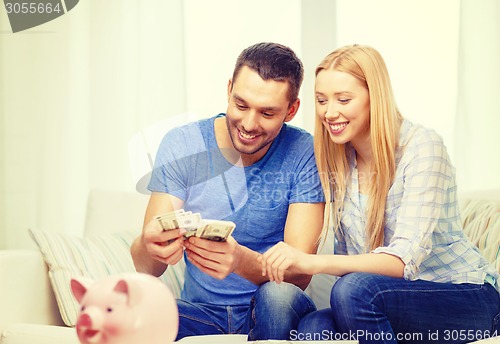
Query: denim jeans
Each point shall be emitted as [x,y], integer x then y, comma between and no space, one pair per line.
[274,311]
[380,309]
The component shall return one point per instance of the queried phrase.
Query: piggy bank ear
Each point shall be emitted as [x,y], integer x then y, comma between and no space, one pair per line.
[132,291]
[79,287]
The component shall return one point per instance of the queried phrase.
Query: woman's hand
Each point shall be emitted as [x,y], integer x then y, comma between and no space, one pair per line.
[280,258]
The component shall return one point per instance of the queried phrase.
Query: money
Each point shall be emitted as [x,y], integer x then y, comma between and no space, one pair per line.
[179,219]
[215,230]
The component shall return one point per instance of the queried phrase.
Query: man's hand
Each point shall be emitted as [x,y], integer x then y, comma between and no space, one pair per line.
[164,246]
[217,259]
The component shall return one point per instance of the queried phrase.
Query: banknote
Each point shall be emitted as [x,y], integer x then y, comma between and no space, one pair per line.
[215,230]
[179,219]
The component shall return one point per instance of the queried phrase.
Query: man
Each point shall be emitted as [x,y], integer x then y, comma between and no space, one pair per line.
[249,167]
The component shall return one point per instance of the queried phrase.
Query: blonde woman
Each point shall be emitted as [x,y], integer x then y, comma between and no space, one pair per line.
[407,272]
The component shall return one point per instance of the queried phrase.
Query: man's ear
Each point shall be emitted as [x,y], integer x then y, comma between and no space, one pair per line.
[292,110]
[229,89]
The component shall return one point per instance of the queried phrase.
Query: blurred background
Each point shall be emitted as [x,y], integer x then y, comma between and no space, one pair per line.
[74,91]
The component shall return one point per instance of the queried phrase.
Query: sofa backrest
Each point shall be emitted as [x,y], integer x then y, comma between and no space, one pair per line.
[480,213]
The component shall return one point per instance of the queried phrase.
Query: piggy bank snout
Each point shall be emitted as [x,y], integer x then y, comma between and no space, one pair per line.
[90,319]
[84,320]
[88,328]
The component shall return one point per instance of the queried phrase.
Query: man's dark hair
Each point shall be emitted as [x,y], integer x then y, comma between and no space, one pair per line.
[273,61]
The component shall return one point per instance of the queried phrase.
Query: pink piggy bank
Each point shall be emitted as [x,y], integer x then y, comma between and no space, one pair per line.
[125,309]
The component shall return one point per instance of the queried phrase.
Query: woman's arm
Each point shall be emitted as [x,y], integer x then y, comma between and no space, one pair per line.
[283,257]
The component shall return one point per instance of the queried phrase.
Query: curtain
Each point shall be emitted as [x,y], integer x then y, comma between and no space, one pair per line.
[73,92]
[477,141]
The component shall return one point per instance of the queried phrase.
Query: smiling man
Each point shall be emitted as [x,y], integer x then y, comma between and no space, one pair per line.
[250,167]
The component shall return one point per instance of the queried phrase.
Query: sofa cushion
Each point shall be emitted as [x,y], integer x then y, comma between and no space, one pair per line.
[92,257]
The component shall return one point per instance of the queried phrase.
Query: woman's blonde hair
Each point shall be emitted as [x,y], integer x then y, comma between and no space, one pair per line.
[367,65]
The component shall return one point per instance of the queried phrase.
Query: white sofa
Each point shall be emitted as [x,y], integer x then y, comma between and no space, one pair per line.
[29,312]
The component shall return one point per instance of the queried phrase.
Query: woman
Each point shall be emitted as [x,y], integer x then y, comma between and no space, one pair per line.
[408,273]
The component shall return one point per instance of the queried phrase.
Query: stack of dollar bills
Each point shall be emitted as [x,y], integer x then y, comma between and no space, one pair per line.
[215,230]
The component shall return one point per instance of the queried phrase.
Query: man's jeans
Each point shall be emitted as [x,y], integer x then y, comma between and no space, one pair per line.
[379,309]
[274,311]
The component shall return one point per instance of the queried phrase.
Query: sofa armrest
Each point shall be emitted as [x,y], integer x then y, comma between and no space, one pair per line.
[25,291]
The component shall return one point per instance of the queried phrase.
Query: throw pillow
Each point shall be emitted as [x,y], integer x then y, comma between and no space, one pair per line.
[92,257]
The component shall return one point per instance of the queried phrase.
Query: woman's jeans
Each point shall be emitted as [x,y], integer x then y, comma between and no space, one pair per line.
[274,311]
[379,309]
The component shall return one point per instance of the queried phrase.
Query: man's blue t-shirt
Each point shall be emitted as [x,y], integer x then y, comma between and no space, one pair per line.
[190,166]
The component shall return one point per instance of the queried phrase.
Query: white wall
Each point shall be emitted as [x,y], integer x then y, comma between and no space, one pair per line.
[419,43]
[478,100]
[443,58]
[319,37]
[217,31]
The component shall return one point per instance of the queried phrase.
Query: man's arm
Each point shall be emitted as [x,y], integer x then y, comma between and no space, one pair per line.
[302,230]
[151,251]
